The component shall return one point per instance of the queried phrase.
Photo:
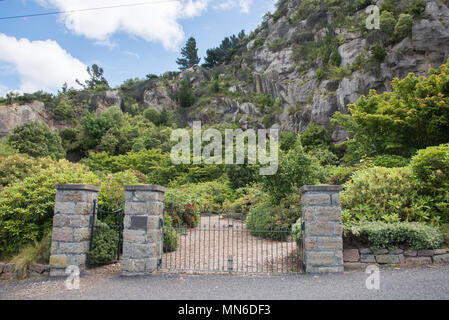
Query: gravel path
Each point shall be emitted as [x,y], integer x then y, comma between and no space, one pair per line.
[221,245]
[407,283]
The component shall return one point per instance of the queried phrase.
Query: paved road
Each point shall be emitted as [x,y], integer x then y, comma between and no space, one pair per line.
[411,283]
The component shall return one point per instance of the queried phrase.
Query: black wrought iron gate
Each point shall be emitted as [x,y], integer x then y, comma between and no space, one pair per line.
[106,240]
[224,244]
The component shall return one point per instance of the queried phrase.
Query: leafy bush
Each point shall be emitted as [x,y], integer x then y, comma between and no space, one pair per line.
[297,232]
[15,168]
[295,168]
[379,194]
[390,161]
[170,235]
[338,175]
[379,52]
[271,223]
[26,208]
[431,168]
[36,140]
[104,245]
[404,26]
[387,22]
[381,235]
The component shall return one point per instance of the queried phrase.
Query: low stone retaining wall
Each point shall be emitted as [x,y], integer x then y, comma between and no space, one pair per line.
[7,271]
[360,258]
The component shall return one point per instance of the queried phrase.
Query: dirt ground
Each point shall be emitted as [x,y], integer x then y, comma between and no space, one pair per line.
[226,245]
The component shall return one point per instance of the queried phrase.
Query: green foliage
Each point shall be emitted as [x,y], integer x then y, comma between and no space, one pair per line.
[36,140]
[153,115]
[26,208]
[189,55]
[271,223]
[6,150]
[315,136]
[15,168]
[338,175]
[297,232]
[404,26]
[381,235]
[226,51]
[288,141]
[379,52]
[411,117]
[170,235]
[186,96]
[390,161]
[295,168]
[241,175]
[387,23]
[104,246]
[36,252]
[259,42]
[96,78]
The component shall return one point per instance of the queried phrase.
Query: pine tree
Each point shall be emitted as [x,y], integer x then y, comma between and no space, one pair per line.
[189,55]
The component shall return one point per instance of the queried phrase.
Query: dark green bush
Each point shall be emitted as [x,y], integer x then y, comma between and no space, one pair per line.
[379,52]
[416,236]
[390,161]
[404,26]
[271,223]
[104,246]
[170,235]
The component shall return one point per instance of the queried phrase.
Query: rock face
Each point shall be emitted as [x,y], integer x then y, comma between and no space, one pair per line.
[306,99]
[14,115]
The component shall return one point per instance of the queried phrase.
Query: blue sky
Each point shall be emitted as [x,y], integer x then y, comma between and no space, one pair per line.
[128,42]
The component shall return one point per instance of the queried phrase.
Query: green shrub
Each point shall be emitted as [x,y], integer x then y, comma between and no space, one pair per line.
[271,223]
[26,208]
[36,140]
[297,232]
[387,23]
[36,252]
[153,115]
[379,194]
[379,52]
[104,245]
[170,235]
[382,235]
[404,26]
[338,175]
[15,168]
[390,161]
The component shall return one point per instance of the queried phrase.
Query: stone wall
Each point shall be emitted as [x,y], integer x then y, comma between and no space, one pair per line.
[8,272]
[322,246]
[142,234]
[71,226]
[362,257]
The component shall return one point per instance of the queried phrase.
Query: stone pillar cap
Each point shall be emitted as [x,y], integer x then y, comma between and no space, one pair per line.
[321,188]
[78,187]
[145,187]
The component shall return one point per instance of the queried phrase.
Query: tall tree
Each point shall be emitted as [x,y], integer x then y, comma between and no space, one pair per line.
[189,55]
[96,78]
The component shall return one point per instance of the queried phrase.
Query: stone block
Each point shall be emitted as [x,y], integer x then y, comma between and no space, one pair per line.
[425,253]
[138,236]
[154,223]
[354,266]
[73,248]
[440,251]
[143,251]
[154,236]
[308,214]
[155,208]
[334,243]
[316,199]
[336,199]
[151,265]
[368,258]
[365,251]
[397,251]
[64,208]
[411,253]
[318,259]
[328,214]
[310,244]
[319,229]
[58,261]
[81,234]
[388,259]
[381,252]
[351,255]
[136,208]
[444,258]
[74,196]
[62,234]
[133,266]
[338,229]
[39,268]
[414,261]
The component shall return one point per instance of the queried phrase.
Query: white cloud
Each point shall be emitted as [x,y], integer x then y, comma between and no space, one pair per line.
[244,5]
[156,22]
[41,65]
[3,90]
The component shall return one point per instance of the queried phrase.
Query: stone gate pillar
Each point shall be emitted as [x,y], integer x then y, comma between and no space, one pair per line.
[142,234]
[71,226]
[322,242]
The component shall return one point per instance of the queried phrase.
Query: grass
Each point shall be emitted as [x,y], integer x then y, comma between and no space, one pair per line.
[37,252]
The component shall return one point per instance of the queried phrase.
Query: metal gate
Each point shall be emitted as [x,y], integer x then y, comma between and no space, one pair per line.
[106,240]
[224,244]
